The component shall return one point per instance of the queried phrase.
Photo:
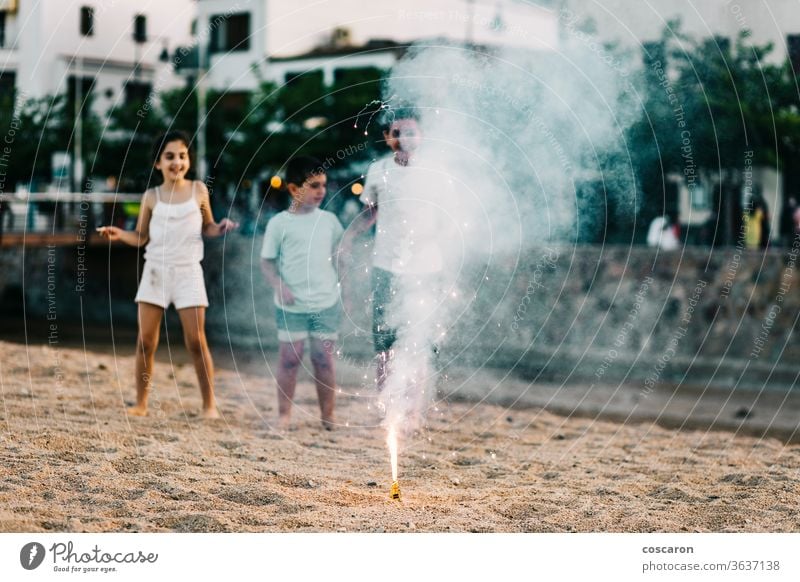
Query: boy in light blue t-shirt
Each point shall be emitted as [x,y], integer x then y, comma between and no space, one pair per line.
[297,260]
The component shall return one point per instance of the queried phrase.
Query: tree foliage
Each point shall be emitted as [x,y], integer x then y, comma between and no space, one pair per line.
[707,105]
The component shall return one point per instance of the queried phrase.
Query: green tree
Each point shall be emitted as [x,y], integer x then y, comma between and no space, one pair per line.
[707,104]
[125,151]
[40,127]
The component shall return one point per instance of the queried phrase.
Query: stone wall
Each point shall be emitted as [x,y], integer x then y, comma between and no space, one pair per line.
[597,314]
[560,314]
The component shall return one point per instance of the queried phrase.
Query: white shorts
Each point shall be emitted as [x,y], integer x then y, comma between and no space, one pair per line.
[182,286]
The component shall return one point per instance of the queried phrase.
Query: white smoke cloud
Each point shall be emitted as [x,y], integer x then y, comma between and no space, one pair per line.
[511,141]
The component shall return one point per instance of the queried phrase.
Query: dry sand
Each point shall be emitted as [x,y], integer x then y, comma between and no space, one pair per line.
[72,461]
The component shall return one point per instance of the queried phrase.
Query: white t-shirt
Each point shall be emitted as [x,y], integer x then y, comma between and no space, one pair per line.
[660,234]
[303,246]
[407,232]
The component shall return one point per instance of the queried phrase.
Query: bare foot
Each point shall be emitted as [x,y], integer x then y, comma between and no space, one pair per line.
[285,424]
[210,413]
[137,410]
[329,423]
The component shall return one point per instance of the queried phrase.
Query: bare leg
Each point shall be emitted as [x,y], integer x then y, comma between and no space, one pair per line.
[382,368]
[325,378]
[417,398]
[193,321]
[146,343]
[382,362]
[290,355]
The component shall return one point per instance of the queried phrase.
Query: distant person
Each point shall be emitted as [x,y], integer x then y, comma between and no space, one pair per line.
[796,217]
[172,221]
[5,209]
[298,262]
[756,224]
[663,233]
[402,203]
[790,221]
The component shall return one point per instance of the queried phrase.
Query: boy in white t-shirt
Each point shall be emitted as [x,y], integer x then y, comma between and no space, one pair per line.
[406,251]
[297,260]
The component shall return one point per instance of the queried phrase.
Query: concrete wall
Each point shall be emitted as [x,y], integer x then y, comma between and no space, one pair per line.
[560,314]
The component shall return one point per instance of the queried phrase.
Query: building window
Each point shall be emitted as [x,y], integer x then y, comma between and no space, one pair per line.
[87,85]
[137,92]
[87,21]
[699,198]
[793,44]
[7,83]
[140,28]
[229,33]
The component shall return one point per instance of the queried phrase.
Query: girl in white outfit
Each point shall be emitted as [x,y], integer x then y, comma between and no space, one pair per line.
[172,221]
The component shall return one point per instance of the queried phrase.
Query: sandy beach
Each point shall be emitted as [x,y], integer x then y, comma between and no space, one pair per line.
[72,461]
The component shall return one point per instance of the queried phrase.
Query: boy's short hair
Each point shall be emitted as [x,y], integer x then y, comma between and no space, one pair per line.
[301,168]
[392,114]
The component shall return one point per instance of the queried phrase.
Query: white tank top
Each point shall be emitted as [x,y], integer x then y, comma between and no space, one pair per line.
[176,237]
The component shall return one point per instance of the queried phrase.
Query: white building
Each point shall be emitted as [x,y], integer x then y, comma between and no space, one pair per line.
[531,24]
[231,38]
[115,47]
[277,39]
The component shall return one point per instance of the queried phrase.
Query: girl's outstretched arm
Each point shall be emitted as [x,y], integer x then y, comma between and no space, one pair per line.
[140,236]
[210,228]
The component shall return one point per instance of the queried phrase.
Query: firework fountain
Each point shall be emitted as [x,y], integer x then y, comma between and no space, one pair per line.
[508,137]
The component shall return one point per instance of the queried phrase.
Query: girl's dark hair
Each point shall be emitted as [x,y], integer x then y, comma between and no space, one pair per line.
[173,135]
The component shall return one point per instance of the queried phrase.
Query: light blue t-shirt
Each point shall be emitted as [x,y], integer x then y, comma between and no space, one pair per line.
[303,246]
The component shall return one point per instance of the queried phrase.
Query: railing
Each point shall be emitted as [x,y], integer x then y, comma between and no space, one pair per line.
[58,217]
